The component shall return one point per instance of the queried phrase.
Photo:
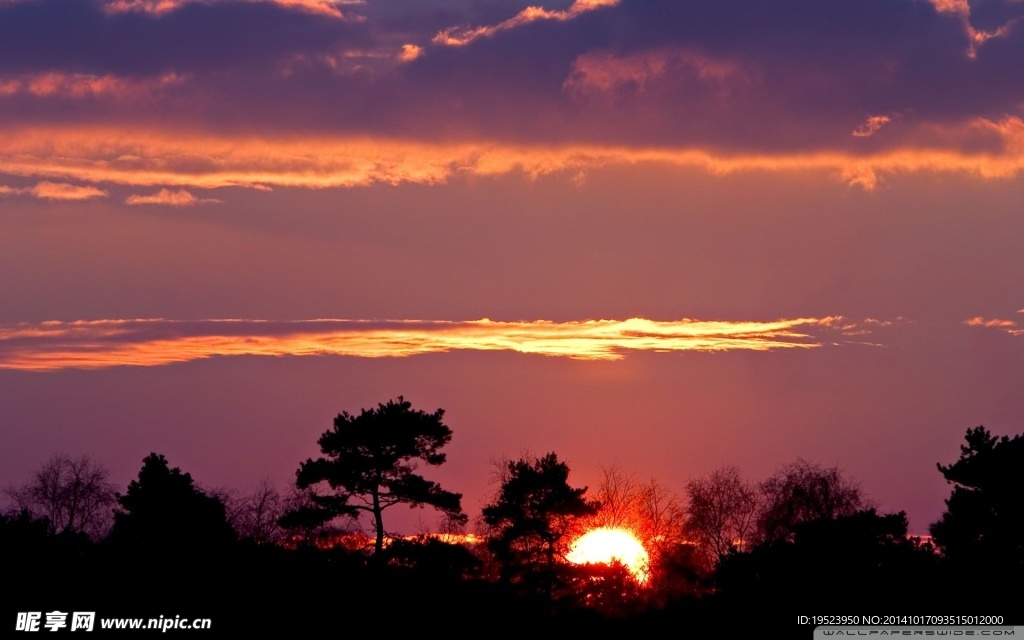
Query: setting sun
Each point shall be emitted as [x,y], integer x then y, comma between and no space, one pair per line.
[607,545]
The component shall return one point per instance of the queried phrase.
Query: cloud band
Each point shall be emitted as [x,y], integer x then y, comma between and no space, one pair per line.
[99,344]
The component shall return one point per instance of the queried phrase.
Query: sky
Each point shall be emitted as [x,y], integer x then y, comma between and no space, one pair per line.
[657,235]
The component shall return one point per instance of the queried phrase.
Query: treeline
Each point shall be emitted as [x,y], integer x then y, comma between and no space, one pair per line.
[804,540]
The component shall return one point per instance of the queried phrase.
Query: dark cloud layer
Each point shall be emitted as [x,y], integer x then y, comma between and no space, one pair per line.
[205,38]
[741,75]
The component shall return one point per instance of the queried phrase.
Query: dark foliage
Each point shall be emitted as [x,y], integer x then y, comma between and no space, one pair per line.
[433,560]
[804,492]
[722,512]
[610,589]
[72,493]
[531,520]
[983,526]
[862,557]
[172,551]
[164,510]
[369,464]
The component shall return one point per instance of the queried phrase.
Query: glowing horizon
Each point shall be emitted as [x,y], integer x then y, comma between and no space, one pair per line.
[609,544]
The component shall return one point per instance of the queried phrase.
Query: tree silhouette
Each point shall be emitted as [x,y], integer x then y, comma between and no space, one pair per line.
[608,587]
[648,510]
[653,515]
[531,520]
[370,463]
[39,562]
[73,494]
[254,515]
[801,492]
[435,561]
[163,510]
[859,557]
[721,512]
[983,525]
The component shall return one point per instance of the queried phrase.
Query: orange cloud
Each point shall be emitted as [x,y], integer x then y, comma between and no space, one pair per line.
[870,126]
[959,7]
[160,7]
[55,191]
[180,198]
[108,343]
[156,7]
[603,71]
[83,85]
[460,36]
[1009,326]
[864,327]
[63,191]
[975,37]
[410,52]
[147,158]
[321,7]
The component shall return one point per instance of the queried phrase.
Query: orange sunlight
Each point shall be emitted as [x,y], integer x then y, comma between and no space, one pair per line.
[146,158]
[97,344]
[605,545]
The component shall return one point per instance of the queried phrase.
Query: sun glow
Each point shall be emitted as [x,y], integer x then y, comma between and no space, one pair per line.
[604,546]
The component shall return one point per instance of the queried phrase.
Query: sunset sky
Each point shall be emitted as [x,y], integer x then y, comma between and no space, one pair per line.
[662,235]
